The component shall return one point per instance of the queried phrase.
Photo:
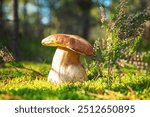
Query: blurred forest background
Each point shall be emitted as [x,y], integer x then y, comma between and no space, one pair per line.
[24,23]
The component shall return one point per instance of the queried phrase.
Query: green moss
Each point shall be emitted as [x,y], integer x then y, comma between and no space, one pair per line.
[25,84]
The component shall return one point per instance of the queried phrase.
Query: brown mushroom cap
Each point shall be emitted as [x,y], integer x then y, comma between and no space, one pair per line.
[72,42]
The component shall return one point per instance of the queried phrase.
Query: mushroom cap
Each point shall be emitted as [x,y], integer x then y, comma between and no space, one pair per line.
[72,42]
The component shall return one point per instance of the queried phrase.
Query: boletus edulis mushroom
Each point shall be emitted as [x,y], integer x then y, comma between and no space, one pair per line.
[66,65]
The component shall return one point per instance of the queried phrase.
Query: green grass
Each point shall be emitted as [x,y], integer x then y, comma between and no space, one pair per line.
[16,83]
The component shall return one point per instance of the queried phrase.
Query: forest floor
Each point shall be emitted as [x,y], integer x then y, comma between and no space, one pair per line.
[21,83]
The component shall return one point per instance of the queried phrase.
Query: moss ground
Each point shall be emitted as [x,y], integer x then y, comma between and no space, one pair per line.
[16,83]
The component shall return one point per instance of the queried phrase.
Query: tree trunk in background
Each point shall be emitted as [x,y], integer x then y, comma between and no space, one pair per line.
[1,14]
[85,6]
[15,37]
[39,30]
[86,26]
[25,23]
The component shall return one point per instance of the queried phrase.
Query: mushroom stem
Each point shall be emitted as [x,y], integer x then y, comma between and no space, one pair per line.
[66,67]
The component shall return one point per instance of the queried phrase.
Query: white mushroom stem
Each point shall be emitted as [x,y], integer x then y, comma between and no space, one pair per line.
[66,67]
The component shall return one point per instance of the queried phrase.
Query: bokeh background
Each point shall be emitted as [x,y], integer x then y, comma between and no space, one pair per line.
[24,23]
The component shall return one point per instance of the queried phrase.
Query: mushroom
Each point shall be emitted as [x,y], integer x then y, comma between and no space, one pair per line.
[66,65]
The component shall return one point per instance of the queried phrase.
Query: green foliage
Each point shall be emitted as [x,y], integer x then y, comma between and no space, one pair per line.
[123,33]
[25,84]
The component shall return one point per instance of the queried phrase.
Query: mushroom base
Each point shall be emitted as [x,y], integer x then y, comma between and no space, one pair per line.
[66,67]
